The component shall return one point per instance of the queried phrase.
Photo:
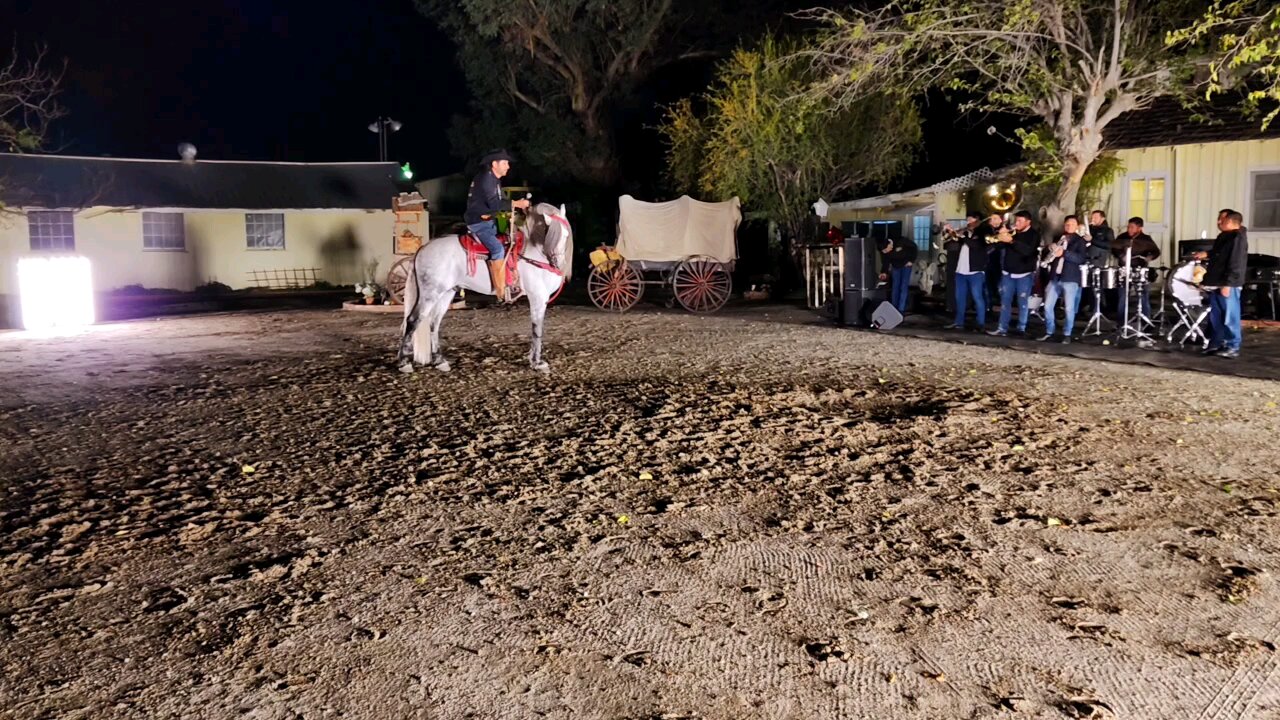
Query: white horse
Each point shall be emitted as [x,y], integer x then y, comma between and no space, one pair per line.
[440,268]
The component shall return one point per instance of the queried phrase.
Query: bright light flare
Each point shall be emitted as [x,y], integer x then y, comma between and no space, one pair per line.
[56,292]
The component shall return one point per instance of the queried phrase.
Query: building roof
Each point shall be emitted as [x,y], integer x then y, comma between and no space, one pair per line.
[66,182]
[1166,122]
[919,195]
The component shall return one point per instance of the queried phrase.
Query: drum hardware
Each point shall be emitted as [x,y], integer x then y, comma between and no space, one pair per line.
[1132,328]
[1094,326]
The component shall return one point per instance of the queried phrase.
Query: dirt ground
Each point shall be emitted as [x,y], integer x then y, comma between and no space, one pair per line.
[741,516]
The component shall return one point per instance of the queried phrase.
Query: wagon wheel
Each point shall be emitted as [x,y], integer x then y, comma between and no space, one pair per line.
[701,284]
[397,277]
[616,287]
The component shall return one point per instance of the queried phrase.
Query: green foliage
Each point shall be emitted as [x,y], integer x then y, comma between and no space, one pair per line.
[1102,173]
[762,139]
[549,75]
[1243,37]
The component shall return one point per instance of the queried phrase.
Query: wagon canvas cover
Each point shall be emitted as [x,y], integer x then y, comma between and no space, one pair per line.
[674,230]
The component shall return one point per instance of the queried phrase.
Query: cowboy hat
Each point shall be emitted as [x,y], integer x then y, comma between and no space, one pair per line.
[494,156]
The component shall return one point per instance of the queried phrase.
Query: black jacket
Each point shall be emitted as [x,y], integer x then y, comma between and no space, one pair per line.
[1072,259]
[1228,260]
[1145,249]
[1020,256]
[977,252]
[484,198]
[1102,237]
[904,251]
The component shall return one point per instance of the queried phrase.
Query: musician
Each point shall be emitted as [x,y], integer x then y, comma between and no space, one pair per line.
[1020,254]
[995,257]
[1224,278]
[1145,252]
[899,255]
[1098,239]
[971,268]
[972,223]
[1067,258]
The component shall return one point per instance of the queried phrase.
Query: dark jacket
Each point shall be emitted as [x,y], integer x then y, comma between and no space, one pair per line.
[977,253]
[1072,259]
[484,198]
[1102,238]
[1021,255]
[903,252]
[1145,249]
[1227,260]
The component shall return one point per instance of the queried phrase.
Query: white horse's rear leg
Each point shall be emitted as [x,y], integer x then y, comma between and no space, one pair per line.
[439,306]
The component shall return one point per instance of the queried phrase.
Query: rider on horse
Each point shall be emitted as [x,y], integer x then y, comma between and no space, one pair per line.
[484,202]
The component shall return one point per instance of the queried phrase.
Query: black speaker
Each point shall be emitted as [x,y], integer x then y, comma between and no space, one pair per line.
[860,305]
[860,266]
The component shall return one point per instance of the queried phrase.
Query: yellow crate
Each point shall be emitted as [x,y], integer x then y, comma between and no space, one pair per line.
[604,258]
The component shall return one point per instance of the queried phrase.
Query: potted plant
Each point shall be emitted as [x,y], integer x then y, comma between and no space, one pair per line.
[371,291]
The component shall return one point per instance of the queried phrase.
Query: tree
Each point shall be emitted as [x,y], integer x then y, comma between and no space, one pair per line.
[1074,65]
[761,139]
[1243,37]
[28,102]
[552,72]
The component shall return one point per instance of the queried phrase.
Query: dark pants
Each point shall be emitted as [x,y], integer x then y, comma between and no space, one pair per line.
[967,287]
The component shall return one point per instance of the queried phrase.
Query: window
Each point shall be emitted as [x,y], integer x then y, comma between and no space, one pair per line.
[52,229]
[264,231]
[921,231]
[1264,205]
[1147,199]
[163,231]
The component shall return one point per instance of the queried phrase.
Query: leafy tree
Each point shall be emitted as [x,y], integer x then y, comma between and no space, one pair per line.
[551,73]
[1074,65]
[1244,38]
[28,102]
[762,139]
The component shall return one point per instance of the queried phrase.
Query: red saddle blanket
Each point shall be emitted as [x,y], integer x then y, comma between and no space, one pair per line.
[476,250]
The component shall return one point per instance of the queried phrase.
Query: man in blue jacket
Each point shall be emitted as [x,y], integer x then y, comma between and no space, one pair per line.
[1066,260]
[484,202]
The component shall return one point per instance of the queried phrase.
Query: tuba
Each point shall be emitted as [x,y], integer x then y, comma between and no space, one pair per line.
[997,198]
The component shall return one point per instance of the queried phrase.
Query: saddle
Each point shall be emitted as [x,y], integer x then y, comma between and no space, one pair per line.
[476,250]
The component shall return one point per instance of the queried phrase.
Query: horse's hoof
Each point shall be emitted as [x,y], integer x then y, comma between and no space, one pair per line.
[543,368]
[443,366]
[406,368]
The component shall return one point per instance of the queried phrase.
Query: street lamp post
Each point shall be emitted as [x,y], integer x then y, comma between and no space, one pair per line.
[382,127]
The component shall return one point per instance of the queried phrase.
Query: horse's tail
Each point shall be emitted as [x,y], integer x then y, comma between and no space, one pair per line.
[421,333]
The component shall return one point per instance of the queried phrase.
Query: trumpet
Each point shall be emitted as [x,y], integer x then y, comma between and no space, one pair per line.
[1050,258]
[1003,235]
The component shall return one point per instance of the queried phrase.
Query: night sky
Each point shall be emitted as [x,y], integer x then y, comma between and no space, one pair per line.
[301,81]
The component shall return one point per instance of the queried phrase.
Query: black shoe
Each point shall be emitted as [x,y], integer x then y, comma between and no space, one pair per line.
[1211,350]
[1229,353]
[1066,340]
[952,326]
[997,333]
[1045,337]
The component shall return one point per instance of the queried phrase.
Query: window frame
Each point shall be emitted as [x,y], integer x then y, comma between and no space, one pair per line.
[182,229]
[249,218]
[1253,200]
[32,224]
[1150,227]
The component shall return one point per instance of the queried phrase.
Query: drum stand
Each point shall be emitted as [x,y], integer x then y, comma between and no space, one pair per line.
[1094,326]
[1136,329]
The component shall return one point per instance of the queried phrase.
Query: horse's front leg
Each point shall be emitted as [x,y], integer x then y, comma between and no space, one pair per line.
[537,317]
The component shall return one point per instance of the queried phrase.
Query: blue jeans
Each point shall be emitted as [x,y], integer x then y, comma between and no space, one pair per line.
[1010,285]
[971,286]
[1224,320]
[901,287]
[487,233]
[1070,292]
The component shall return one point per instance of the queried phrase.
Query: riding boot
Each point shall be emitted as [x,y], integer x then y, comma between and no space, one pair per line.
[498,274]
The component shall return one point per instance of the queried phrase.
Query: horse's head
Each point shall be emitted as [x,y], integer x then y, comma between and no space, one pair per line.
[551,231]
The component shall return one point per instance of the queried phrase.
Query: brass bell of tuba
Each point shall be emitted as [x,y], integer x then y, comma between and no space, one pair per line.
[998,197]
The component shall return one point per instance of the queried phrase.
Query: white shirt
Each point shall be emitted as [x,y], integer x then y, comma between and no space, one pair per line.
[962,265]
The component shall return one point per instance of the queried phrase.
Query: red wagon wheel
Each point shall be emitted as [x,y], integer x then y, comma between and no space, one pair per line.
[701,285]
[615,287]
[397,277]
